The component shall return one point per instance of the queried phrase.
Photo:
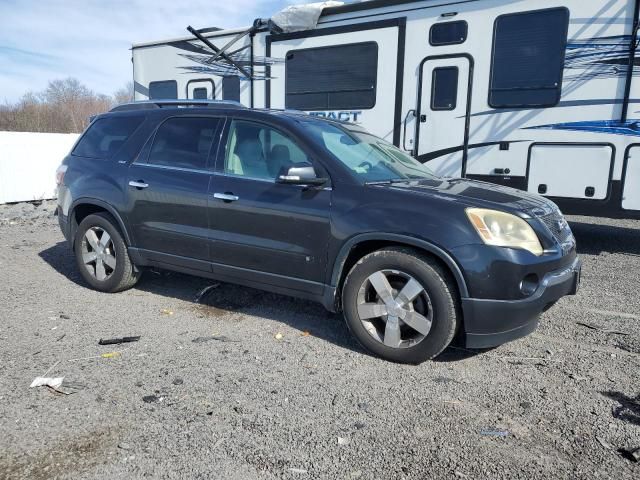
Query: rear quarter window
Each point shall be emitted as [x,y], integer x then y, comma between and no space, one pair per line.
[105,136]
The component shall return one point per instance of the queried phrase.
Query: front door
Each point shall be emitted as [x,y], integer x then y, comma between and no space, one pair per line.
[443,104]
[168,193]
[259,225]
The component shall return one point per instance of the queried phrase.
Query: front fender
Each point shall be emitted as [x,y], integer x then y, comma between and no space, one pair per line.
[422,244]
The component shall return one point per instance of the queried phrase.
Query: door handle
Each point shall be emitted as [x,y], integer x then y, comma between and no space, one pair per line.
[138,184]
[404,129]
[227,197]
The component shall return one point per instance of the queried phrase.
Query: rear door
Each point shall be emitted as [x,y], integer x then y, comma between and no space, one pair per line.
[168,188]
[442,114]
[260,226]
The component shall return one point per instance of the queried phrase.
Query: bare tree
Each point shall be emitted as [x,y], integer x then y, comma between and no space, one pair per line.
[65,106]
[124,94]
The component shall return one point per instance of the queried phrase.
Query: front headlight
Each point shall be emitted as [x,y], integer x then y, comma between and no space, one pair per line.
[504,230]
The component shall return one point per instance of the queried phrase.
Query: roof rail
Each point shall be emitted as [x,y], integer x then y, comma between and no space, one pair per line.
[153,104]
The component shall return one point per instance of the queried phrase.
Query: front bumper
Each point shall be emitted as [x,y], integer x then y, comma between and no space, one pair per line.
[488,323]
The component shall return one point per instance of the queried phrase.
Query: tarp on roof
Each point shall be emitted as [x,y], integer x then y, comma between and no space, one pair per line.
[301,17]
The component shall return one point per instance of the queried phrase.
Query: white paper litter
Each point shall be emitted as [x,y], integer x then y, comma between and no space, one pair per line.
[47,382]
[301,17]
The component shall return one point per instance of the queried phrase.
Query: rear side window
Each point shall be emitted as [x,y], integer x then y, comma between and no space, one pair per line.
[164,90]
[184,142]
[332,78]
[449,33]
[105,136]
[528,58]
[444,93]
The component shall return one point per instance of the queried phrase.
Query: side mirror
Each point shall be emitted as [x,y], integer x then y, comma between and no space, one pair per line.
[300,174]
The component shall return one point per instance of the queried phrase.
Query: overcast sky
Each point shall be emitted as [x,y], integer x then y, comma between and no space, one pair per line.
[41,40]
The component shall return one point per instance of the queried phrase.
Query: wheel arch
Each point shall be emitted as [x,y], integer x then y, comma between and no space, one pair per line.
[360,245]
[89,206]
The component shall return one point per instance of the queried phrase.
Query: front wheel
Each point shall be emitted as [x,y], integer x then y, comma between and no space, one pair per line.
[401,305]
[102,256]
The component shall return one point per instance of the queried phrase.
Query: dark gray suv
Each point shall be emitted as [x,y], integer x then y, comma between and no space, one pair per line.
[294,204]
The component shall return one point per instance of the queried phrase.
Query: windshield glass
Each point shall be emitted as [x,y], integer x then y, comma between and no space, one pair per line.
[370,158]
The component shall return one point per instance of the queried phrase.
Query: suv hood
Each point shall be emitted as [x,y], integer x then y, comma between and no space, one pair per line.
[480,194]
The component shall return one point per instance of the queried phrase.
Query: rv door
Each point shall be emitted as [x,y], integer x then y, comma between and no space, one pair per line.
[443,107]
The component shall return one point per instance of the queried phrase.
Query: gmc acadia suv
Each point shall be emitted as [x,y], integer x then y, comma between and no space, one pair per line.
[298,205]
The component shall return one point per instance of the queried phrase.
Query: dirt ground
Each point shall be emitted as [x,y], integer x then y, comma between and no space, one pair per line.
[250,385]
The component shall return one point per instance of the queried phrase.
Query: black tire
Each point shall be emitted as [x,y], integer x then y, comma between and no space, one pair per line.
[439,287]
[124,275]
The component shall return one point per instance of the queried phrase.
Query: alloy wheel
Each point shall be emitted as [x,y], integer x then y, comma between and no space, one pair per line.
[98,253]
[394,308]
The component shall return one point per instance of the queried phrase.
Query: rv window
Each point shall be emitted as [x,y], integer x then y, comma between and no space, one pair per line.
[444,88]
[165,90]
[528,58]
[105,136]
[449,33]
[200,93]
[231,88]
[183,142]
[328,78]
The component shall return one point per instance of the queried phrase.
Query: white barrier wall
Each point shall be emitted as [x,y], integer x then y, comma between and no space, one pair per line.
[28,163]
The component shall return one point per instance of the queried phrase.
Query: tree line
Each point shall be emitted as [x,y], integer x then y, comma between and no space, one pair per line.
[65,106]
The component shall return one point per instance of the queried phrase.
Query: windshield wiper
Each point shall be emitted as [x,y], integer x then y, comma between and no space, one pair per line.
[387,182]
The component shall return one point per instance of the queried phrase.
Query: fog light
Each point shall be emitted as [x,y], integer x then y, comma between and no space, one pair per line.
[529,284]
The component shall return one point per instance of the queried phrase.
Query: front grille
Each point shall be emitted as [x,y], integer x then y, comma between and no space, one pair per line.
[558,226]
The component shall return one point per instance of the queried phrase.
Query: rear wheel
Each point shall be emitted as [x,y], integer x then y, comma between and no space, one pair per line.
[102,256]
[401,305]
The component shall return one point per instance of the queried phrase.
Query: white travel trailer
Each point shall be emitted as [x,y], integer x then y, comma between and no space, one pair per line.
[539,95]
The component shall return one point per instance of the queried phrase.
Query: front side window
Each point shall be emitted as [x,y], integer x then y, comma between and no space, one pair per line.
[368,157]
[332,78]
[528,58]
[105,136]
[163,90]
[184,142]
[257,151]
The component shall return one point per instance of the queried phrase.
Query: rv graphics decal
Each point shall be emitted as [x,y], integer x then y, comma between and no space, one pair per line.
[612,127]
[211,64]
[342,116]
[602,57]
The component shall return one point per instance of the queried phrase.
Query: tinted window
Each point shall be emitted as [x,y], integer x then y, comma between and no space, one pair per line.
[184,142]
[257,151]
[165,90]
[105,136]
[444,88]
[449,33]
[231,88]
[528,58]
[200,93]
[329,78]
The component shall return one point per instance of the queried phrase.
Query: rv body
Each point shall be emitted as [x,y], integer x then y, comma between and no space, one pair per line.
[541,95]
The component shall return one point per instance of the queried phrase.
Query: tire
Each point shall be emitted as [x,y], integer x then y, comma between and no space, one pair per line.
[434,311]
[114,254]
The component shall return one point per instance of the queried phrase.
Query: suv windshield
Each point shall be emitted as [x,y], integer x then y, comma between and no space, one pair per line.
[370,158]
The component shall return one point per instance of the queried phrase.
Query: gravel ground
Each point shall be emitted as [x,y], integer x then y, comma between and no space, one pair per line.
[251,385]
